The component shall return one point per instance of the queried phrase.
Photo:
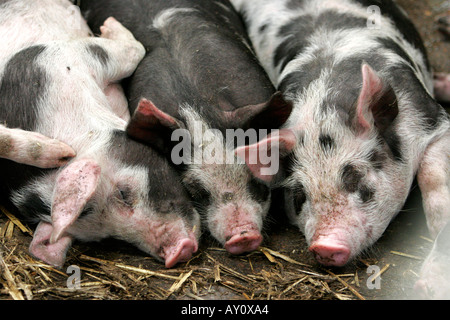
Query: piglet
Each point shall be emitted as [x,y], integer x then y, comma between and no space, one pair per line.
[193,97]
[63,84]
[364,121]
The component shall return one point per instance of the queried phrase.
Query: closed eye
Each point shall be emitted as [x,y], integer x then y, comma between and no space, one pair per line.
[124,195]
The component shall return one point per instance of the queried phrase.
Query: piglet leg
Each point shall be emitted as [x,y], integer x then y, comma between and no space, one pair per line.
[33,148]
[124,51]
[121,55]
[434,182]
[51,253]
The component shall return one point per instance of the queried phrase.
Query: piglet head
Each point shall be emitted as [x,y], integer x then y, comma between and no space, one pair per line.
[132,194]
[344,180]
[159,220]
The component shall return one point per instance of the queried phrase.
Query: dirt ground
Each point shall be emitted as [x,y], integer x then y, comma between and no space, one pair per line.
[281,269]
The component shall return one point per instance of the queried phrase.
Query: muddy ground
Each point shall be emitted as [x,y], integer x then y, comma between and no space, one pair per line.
[281,269]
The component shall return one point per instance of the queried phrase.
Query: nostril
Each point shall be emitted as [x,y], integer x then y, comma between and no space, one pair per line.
[181,253]
[245,241]
[330,255]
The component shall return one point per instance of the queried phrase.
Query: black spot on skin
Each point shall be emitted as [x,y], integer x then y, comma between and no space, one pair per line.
[23,84]
[393,46]
[299,198]
[295,4]
[385,109]
[345,82]
[377,159]
[298,30]
[258,190]
[34,207]
[99,53]
[286,52]
[401,22]
[333,20]
[404,79]
[298,80]
[351,178]
[366,193]
[326,142]
[392,139]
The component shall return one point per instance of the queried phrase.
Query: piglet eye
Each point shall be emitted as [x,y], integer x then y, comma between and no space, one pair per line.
[124,195]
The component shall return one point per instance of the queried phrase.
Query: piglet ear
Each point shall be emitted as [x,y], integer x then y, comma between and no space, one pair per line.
[268,115]
[263,158]
[51,253]
[152,126]
[75,186]
[377,103]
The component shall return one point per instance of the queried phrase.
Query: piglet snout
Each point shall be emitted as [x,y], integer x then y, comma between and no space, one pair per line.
[182,252]
[330,254]
[243,240]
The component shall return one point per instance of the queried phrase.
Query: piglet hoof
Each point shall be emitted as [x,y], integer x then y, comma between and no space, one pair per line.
[245,241]
[181,253]
[330,254]
[49,153]
[114,30]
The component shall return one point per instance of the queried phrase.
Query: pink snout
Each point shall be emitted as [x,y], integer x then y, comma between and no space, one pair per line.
[244,241]
[182,252]
[330,254]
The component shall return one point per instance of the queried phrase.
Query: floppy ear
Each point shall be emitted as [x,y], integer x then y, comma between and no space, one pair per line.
[51,253]
[268,115]
[263,158]
[377,103]
[152,126]
[75,186]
